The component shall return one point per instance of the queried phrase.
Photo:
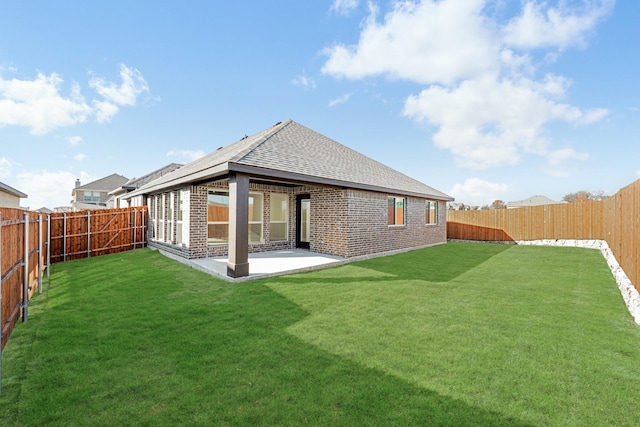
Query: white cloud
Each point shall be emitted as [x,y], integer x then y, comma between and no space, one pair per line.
[485,122]
[132,86]
[558,161]
[425,42]
[49,188]
[343,7]
[540,25]
[477,192]
[340,100]
[40,105]
[105,110]
[74,140]
[304,81]
[480,91]
[5,167]
[79,157]
[558,156]
[187,155]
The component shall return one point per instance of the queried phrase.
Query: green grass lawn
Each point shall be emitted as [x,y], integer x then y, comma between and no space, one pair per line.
[460,334]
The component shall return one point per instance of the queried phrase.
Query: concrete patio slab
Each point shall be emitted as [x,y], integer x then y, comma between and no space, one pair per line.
[265,264]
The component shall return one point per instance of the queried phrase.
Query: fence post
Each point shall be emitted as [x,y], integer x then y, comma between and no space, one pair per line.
[25,282]
[88,234]
[1,324]
[48,243]
[64,237]
[40,264]
[142,218]
[135,227]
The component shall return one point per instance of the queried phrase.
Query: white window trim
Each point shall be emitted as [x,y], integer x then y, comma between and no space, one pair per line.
[152,215]
[285,221]
[404,211]
[435,222]
[261,222]
[161,217]
[179,214]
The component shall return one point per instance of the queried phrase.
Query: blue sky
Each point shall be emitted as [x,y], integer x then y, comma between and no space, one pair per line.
[483,100]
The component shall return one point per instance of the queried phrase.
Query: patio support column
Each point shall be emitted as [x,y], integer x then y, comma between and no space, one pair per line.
[238,264]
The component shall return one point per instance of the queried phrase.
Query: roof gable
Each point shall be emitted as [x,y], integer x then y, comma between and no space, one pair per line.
[291,150]
[107,183]
[536,200]
[139,182]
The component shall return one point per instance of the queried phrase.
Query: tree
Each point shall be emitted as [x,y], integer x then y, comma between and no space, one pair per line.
[498,204]
[583,195]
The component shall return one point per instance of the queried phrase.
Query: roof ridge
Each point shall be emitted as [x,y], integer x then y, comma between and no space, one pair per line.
[275,129]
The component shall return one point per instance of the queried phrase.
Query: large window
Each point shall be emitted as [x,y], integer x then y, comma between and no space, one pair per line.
[255,217]
[396,210]
[218,217]
[279,224]
[431,212]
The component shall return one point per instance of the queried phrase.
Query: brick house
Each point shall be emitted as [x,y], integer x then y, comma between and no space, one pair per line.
[95,195]
[297,188]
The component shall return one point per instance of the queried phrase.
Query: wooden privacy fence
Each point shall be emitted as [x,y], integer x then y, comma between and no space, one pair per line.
[92,233]
[23,242]
[30,242]
[615,220]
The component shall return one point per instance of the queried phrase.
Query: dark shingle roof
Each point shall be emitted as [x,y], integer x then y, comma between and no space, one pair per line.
[291,151]
[107,183]
[134,183]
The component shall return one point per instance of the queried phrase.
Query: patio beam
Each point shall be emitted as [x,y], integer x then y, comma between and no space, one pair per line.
[238,264]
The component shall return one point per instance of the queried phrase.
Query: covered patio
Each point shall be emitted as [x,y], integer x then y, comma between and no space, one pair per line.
[265,264]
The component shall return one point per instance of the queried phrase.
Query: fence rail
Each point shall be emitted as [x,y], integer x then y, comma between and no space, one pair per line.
[615,220]
[31,241]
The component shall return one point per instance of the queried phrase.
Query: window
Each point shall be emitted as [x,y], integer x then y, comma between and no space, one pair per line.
[218,218]
[180,208]
[170,218]
[255,217]
[431,212]
[279,224]
[161,215]
[91,196]
[152,217]
[396,210]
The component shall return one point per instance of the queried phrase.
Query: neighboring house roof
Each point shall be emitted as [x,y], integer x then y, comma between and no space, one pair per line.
[292,152]
[532,201]
[108,183]
[135,183]
[10,190]
[45,210]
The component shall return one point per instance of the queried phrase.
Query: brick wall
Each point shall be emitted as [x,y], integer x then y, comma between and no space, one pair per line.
[369,233]
[329,221]
[344,222]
